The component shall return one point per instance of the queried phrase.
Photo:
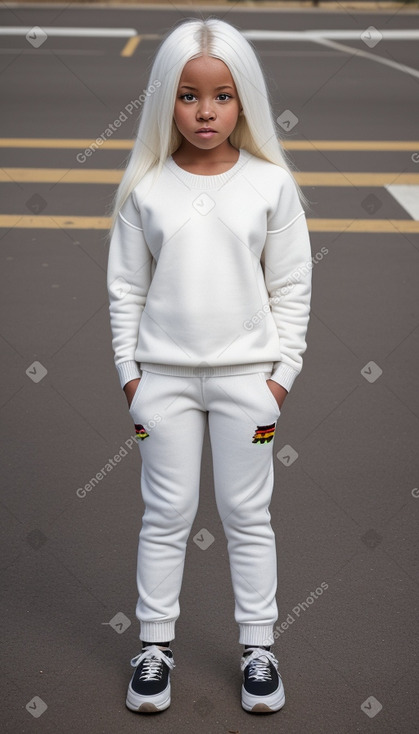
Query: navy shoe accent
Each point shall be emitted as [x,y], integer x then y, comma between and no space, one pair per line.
[262,689]
[149,688]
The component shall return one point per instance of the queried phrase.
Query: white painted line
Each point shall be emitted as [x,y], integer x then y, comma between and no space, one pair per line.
[367,55]
[256,35]
[371,36]
[57,51]
[72,32]
[407,197]
[394,35]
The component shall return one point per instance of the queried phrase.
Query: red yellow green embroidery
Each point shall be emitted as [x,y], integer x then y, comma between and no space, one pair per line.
[264,434]
[140,432]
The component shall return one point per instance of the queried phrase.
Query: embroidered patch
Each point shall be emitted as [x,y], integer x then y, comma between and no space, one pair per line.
[140,432]
[264,434]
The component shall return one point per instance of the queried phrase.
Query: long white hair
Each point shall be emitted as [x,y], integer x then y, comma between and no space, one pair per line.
[158,137]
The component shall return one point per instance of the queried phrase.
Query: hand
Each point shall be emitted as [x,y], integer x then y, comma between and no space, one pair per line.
[279,392]
[130,388]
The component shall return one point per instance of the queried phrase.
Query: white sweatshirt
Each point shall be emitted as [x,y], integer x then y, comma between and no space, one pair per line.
[211,274]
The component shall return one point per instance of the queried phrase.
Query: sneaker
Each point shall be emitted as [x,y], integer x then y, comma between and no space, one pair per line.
[149,688]
[262,689]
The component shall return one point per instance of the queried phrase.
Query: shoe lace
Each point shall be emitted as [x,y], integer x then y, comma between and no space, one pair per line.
[152,659]
[258,661]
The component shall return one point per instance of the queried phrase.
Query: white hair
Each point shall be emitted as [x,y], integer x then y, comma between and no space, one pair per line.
[158,136]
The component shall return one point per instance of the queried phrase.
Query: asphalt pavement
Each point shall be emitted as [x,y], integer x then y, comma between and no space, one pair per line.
[346,499]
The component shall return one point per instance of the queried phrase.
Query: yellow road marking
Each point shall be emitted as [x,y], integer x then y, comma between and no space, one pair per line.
[364,225]
[43,222]
[130,46]
[312,145]
[113,176]
[61,175]
[371,145]
[79,143]
[349,178]
[391,226]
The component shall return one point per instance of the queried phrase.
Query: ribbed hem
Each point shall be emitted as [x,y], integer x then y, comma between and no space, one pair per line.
[256,634]
[196,181]
[206,370]
[284,375]
[158,631]
[128,371]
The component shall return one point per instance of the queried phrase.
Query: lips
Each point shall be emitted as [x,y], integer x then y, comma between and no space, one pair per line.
[206,130]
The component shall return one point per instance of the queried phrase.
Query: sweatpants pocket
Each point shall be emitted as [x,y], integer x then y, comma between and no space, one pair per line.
[139,391]
[263,377]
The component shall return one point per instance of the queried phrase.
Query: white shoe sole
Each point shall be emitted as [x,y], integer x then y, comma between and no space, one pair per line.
[148,704]
[263,704]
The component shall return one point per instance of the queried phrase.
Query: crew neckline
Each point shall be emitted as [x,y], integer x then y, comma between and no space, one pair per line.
[200,180]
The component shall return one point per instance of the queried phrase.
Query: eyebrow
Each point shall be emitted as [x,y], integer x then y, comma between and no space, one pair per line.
[223,86]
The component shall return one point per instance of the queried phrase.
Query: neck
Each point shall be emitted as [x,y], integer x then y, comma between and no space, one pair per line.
[189,154]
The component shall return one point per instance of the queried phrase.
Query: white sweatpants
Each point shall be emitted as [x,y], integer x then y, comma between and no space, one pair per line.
[170,413]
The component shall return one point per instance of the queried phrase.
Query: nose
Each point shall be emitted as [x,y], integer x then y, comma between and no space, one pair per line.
[205,111]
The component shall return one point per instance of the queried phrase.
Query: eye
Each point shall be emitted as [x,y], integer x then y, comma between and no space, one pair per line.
[184,96]
[226,96]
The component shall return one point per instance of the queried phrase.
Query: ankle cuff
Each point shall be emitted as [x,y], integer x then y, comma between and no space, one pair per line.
[157,631]
[256,634]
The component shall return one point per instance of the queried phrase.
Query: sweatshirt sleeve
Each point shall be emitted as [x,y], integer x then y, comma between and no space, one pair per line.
[128,281]
[287,268]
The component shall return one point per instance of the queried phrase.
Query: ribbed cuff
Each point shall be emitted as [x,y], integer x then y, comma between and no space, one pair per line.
[128,371]
[256,634]
[284,375]
[158,631]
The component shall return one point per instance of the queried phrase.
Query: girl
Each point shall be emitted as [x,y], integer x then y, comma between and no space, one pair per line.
[209,287]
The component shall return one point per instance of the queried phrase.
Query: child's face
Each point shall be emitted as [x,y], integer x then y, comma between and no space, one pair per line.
[206,98]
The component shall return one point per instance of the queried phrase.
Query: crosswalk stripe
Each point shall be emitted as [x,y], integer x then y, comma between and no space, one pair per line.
[389,226]
[407,197]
